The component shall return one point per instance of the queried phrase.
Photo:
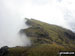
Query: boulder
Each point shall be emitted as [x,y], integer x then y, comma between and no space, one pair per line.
[3,50]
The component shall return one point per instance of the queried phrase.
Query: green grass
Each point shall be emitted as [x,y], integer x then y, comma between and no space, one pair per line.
[40,50]
[47,40]
[50,33]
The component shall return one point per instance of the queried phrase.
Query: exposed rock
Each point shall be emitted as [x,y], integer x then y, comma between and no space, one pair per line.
[70,35]
[4,51]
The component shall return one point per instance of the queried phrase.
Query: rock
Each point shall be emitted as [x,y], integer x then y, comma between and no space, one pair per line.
[4,50]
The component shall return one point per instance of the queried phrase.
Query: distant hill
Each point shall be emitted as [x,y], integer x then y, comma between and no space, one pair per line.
[47,40]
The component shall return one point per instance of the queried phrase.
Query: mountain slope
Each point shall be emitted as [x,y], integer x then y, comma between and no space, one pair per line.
[44,33]
[47,40]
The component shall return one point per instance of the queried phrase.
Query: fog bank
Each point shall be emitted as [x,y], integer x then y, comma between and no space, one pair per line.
[13,12]
[10,24]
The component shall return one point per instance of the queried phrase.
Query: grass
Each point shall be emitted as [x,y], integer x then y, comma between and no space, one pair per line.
[49,33]
[47,40]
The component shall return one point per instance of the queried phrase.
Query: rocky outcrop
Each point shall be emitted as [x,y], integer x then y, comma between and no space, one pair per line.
[4,51]
[70,35]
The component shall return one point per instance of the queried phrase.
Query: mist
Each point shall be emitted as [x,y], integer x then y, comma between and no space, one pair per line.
[9,31]
[10,24]
[13,12]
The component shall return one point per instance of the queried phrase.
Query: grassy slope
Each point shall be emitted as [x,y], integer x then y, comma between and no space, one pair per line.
[47,40]
[41,32]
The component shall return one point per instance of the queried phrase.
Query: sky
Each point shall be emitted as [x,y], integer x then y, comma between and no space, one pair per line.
[13,12]
[59,12]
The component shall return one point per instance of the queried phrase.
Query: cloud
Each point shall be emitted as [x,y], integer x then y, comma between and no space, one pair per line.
[67,6]
[59,0]
[10,24]
[40,2]
[12,12]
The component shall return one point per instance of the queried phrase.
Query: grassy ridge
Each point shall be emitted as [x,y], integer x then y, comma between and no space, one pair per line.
[41,32]
[47,40]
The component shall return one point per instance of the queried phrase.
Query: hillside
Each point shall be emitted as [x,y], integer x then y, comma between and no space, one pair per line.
[47,40]
[44,33]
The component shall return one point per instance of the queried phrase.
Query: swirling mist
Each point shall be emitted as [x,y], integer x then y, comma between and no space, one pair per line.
[13,12]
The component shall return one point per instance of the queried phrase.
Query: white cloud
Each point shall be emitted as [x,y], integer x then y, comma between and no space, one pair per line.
[59,12]
[67,6]
[10,24]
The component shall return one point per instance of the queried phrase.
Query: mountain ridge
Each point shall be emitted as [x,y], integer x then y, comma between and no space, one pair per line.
[46,39]
[41,32]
